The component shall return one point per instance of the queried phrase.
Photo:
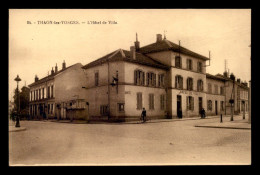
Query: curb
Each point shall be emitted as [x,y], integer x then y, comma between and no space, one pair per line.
[17,130]
[222,127]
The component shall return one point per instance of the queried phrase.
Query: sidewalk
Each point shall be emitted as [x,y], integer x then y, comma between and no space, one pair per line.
[238,123]
[12,127]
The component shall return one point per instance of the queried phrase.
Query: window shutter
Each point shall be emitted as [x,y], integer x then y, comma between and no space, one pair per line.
[135,77]
[187,63]
[147,77]
[187,83]
[202,88]
[192,103]
[181,82]
[180,62]
[191,84]
[187,103]
[154,82]
[176,79]
[191,64]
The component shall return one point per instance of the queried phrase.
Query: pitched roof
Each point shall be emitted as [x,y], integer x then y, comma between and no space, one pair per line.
[165,45]
[215,77]
[228,79]
[50,77]
[124,55]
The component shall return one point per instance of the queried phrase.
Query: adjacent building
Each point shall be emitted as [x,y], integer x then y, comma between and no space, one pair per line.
[59,95]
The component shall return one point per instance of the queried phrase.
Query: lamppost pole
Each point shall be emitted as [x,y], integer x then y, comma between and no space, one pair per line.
[232,77]
[17,79]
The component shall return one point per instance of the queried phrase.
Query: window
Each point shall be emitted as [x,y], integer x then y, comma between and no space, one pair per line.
[222,90]
[40,97]
[178,82]
[162,101]
[139,101]
[199,67]
[190,103]
[139,77]
[178,61]
[51,91]
[216,89]
[161,80]
[51,108]
[189,84]
[96,79]
[189,64]
[151,101]
[121,107]
[200,85]
[222,105]
[43,93]
[209,105]
[48,108]
[48,92]
[151,79]
[31,95]
[209,88]
[103,110]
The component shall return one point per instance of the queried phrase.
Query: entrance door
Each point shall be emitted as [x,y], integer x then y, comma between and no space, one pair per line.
[179,110]
[200,104]
[216,107]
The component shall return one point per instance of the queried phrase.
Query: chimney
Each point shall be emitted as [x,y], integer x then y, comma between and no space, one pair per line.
[56,68]
[36,78]
[225,74]
[137,43]
[158,37]
[63,64]
[238,80]
[132,52]
[52,71]
[232,77]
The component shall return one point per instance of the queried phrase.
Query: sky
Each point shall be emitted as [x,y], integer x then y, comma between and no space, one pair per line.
[73,36]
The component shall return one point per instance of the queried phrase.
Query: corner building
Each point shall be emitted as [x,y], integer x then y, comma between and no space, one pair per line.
[168,80]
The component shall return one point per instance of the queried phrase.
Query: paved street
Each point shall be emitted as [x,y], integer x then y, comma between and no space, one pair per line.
[167,143]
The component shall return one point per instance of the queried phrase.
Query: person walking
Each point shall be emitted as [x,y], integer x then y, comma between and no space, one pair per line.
[203,114]
[143,115]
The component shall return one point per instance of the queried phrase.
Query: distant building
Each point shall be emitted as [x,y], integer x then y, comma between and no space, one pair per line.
[240,94]
[59,95]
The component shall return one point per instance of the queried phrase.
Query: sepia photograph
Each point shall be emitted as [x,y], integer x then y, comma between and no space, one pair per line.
[129,87]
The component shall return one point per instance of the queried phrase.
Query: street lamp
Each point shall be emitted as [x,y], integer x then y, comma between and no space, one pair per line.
[17,79]
[231,101]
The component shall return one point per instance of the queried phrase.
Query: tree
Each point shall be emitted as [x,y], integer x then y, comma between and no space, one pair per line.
[24,101]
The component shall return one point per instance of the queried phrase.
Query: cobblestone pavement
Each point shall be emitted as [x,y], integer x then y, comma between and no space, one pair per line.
[154,143]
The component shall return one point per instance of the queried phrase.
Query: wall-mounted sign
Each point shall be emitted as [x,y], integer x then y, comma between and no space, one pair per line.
[189,92]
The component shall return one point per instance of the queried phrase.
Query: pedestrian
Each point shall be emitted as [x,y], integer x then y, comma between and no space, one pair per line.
[143,115]
[203,114]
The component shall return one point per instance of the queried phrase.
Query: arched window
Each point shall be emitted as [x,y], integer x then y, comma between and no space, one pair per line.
[200,85]
[189,84]
[178,82]
[139,77]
